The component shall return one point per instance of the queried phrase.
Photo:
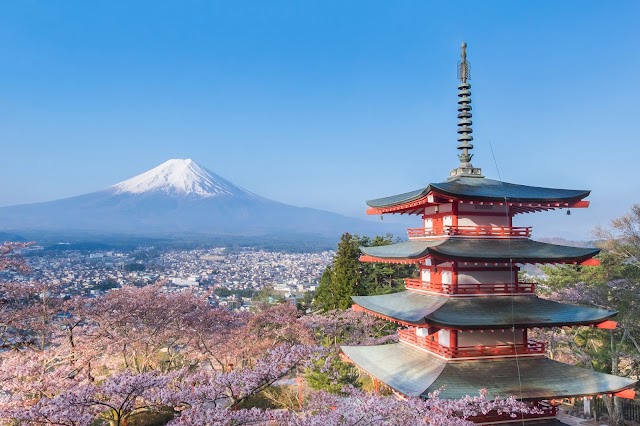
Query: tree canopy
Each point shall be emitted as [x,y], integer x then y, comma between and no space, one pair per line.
[347,276]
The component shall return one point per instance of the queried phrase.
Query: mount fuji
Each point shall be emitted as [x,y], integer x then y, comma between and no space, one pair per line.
[177,197]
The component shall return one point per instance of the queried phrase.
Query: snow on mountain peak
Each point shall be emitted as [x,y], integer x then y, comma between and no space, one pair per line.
[179,177]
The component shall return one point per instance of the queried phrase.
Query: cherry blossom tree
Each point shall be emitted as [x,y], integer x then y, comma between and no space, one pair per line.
[117,400]
[361,408]
[134,352]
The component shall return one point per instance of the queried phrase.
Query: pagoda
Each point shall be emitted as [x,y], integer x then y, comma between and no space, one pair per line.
[465,322]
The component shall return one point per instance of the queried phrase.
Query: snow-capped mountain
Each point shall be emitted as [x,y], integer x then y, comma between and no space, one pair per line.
[177,197]
[179,177]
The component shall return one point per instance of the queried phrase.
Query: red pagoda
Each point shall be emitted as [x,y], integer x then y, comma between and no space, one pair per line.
[464,323]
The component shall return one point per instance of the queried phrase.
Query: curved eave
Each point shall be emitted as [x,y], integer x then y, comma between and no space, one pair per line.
[520,198]
[413,372]
[474,313]
[405,307]
[493,190]
[478,250]
[399,199]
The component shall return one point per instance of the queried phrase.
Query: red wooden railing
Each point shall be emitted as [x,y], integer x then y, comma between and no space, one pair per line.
[483,288]
[531,347]
[472,231]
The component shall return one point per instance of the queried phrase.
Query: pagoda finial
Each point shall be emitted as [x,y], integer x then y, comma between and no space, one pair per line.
[464,124]
[463,67]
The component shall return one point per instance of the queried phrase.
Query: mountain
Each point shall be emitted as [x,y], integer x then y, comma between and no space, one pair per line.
[178,197]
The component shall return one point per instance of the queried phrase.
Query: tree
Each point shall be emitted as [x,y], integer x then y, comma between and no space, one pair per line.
[329,373]
[614,285]
[347,276]
[622,238]
[135,352]
[384,278]
[340,282]
[325,297]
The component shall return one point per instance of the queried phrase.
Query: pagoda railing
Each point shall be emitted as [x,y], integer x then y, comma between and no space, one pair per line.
[531,347]
[483,288]
[471,231]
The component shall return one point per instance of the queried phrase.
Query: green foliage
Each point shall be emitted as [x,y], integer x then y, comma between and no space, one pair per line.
[306,302]
[268,295]
[346,270]
[347,276]
[107,284]
[384,278]
[226,292]
[131,267]
[331,375]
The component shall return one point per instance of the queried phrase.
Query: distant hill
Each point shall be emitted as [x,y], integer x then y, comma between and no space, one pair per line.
[535,271]
[564,242]
[9,236]
[179,198]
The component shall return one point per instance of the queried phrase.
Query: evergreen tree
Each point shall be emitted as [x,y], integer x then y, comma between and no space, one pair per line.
[384,278]
[325,299]
[348,277]
[340,281]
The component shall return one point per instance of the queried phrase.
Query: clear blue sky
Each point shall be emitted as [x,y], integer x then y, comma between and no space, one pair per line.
[321,103]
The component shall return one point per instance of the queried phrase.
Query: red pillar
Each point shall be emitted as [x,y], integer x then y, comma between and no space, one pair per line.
[454,212]
[454,277]
[453,338]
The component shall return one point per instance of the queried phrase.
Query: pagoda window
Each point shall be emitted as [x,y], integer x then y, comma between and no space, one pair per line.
[440,208]
[483,209]
[426,276]
[447,221]
[496,221]
[444,338]
[446,277]
[499,337]
[428,223]
[486,276]
[422,332]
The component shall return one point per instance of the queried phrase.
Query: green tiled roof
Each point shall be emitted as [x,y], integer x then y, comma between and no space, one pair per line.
[480,312]
[491,249]
[485,189]
[406,306]
[414,372]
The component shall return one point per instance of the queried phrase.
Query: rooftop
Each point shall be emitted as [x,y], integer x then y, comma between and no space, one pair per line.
[414,372]
[483,189]
[480,312]
[481,249]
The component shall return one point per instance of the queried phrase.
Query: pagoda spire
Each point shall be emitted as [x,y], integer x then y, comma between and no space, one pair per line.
[464,124]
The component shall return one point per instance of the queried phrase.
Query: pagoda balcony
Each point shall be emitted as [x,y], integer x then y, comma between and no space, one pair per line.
[471,231]
[532,347]
[470,289]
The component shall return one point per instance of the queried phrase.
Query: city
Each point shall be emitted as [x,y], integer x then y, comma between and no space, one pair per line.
[226,277]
